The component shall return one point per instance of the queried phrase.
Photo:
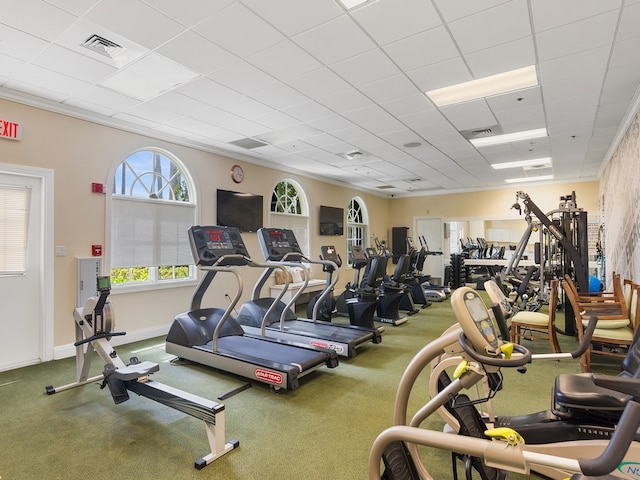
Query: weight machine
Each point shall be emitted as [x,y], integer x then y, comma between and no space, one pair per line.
[562,248]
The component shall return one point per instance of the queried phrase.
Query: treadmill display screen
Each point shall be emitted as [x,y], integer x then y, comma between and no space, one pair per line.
[279,239]
[218,240]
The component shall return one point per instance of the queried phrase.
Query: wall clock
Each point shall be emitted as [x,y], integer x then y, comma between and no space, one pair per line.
[237,174]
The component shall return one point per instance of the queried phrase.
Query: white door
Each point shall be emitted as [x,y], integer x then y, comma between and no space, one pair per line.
[432,230]
[22,340]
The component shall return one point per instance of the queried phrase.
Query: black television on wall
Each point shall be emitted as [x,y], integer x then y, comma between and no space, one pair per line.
[331,220]
[241,210]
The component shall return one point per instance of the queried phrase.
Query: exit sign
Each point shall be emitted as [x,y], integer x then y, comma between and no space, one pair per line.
[10,130]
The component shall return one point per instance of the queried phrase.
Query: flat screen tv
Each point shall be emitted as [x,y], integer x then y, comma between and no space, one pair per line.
[241,210]
[331,220]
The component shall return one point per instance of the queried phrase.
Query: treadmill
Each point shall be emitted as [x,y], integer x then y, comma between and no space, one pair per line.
[280,248]
[211,336]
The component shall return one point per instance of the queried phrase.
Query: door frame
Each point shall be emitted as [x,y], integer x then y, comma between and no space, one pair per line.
[46,283]
[441,235]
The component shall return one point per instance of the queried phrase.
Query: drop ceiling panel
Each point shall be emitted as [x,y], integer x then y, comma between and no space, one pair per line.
[346,100]
[142,24]
[197,53]
[389,89]
[66,62]
[198,9]
[575,65]
[319,83]
[239,31]
[488,28]
[506,56]
[18,44]
[243,77]
[577,37]
[440,74]
[37,18]
[335,40]
[385,22]
[422,49]
[548,14]
[284,60]
[366,67]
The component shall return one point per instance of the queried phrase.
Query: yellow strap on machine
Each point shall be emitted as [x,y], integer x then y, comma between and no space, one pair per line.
[462,368]
[508,435]
[507,350]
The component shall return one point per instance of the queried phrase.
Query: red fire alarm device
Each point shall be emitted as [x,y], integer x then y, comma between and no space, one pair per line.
[96,250]
[97,187]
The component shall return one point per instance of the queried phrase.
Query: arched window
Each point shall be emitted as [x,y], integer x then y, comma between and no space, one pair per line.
[357,223]
[289,209]
[152,206]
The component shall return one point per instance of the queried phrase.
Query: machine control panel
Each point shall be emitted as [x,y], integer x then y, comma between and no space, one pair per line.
[279,244]
[475,321]
[329,253]
[209,244]
[358,257]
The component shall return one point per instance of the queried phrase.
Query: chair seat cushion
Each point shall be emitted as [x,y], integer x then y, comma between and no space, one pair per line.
[617,334]
[536,318]
[609,324]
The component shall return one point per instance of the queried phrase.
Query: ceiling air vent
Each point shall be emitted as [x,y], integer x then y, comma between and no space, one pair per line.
[482,132]
[102,46]
[384,187]
[248,143]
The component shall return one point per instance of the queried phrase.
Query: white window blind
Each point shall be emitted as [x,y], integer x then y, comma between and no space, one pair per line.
[150,233]
[14,229]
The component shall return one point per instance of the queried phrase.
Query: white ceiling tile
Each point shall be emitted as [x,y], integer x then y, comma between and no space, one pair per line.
[517,116]
[153,113]
[576,37]
[502,58]
[136,120]
[308,111]
[105,97]
[574,65]
[11,66]
[331,124]
[408,105]
[388,89]
[628,27]
[276,120]
[239,30]
[441,74]
[284,60]
[365,67]
[48,80]
[625,52]
[319,83]
[36,90]
[335,40]
[91,107]
[279,96]
[143,24]
[548,14]
[387,22]
[294,16]
[243,77]
[514,100]
[205,129]
[36,17]
[75,7]
[15,43]
[69,63]
[489,28]
[454,10]
[196,11]
[346,100]
[197,53]
[374,119]
[576,86]
[231,122]
[178,103]
[424,48]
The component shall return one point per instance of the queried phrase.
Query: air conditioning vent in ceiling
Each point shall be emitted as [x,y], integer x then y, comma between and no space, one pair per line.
[384,187]
[248,143]
[102,46]
[482,132]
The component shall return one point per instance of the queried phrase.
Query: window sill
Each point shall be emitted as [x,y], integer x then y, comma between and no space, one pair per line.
[146,287]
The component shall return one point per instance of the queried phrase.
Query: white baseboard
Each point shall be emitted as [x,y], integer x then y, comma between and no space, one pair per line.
[66,351]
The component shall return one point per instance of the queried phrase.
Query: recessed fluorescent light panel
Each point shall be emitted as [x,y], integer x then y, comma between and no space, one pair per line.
[349,4]
[509,137]
[529,179]
[537,162]
[485,87]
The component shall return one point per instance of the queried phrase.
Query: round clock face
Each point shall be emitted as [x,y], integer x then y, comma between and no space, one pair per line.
[237,174]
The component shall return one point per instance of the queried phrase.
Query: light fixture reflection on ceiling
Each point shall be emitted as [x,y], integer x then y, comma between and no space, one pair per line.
[529,179]
[509,137]
[541,162]
[349,4]
[485,87]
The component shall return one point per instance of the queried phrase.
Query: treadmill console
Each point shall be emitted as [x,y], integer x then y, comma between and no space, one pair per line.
[209,245]
[474,319]
[279,244]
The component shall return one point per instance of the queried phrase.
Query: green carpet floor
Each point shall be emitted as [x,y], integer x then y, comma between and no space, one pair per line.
[324,429]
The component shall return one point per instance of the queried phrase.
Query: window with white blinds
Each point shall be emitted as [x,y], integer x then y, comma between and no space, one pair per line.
[289,210]
[152,207]
[14,229]
[150,233]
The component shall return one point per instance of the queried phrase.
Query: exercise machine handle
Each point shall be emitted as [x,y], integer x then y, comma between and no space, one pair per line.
[515,361]
[586,337]
[618,445]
